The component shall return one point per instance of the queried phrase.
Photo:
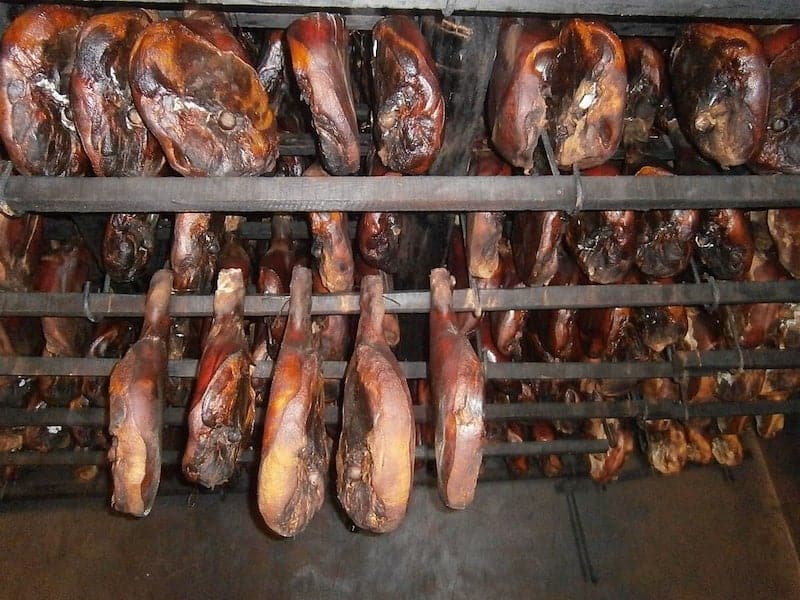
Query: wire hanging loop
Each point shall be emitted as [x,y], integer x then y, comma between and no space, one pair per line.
[576,175]
[87,311]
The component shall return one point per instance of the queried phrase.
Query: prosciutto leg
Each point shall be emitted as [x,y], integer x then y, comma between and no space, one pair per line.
[375,459]
[295,447]
[409,114]
[223,406]
[136,403]
[457,382]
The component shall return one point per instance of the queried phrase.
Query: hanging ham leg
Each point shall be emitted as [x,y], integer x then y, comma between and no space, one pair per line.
[375,459]
[295,447]
[647,86]
[332,246]
[391,326]
[20,251]
[195,248]
[507,325]
[664,238]
[378,233]
[725,243]
[136,404]
[318,48]
[780,150]
[457,265]
[661,326]
[603,242]
[484,229]
[409,113]
[457,381]
[587,105]
[37,53]
[784,226]
[517,96]
[223,406]
[536,242]
[202,100]
[720,76]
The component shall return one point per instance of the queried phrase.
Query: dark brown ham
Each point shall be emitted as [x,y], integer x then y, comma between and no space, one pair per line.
[664,238]
[667,448]
[721,81]
[457,382]
[295,448]
[536,240]
[378,233]
[780,149]
[332,247]
[128,244]
[661,326]
[136,403]
[20,250]
[484,229]
[586,109]
[457,265]
[508,325]
[725,243]
[37,53]
[333,330]
[111,130]
[64,269]
[606,467]
[272,66]
[375,458]
[603,242]
[647,86]
[195,248]
[780,384]
[409,113]
[184,342]
[202,100]
[703,334]
[517,96]
[223,406]
[784,226]
[318,48]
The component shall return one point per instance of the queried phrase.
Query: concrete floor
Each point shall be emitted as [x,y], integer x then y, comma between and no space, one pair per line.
[698,535]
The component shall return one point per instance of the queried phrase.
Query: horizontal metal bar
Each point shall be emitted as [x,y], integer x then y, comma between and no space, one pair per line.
[33,304]
[683,364]
[742,9]
[435,193]
[519,411]
[170,457]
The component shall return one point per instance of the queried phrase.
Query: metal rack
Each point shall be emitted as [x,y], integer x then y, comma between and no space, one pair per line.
[19,195]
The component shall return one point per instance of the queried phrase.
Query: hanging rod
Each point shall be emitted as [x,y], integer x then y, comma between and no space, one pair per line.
[683,364]
[742,9]
[171,457]
[516,411]
[359,194]
[101,304]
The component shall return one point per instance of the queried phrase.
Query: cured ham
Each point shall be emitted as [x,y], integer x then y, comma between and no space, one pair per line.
[780,149]
[721,73]
[587,104]
[375,458]
[725,243]
[784,226]
[516,102]
[378,233]
[37,53]
[20,251]
[318,48]
[195,249]
[391,325]
[295,447]
[484,229]
[409,113]
[536,241]
[457,382]
[647,87]
[223,405]
[202,100]
[136,403]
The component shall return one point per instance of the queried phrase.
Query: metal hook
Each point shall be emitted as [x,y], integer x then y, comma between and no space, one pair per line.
[191,499]
[87,290]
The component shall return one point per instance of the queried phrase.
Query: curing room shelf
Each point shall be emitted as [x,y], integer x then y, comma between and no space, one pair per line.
[739,9]
[416,194]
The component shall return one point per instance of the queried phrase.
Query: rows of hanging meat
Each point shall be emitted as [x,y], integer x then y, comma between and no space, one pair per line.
[126,93]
